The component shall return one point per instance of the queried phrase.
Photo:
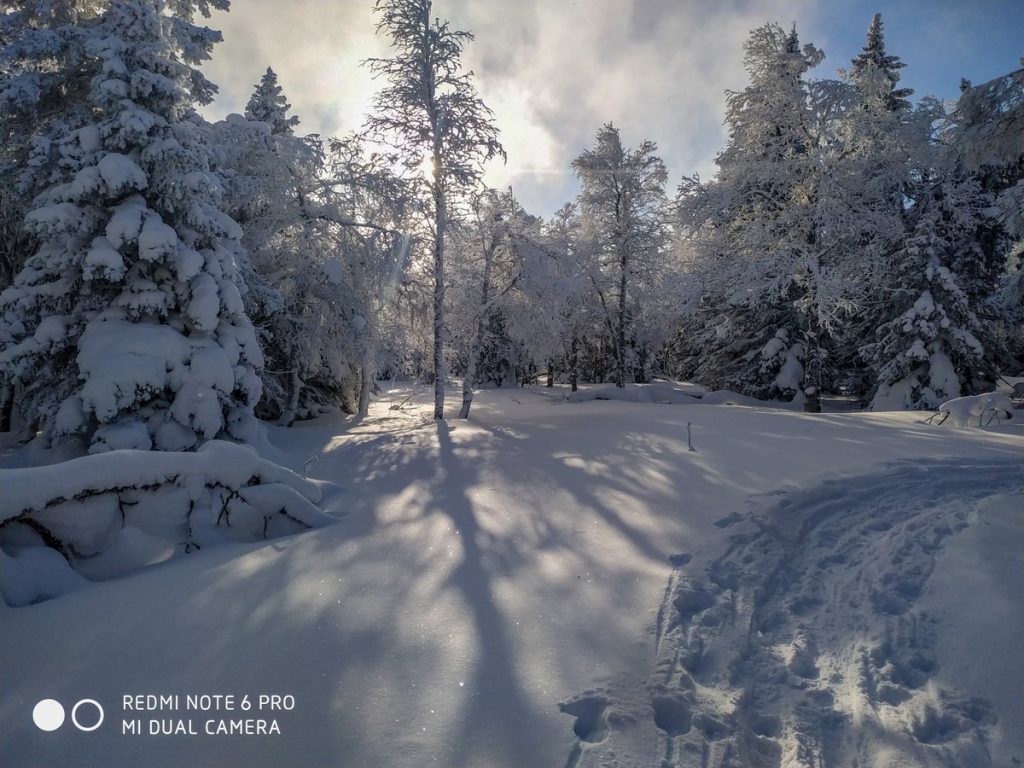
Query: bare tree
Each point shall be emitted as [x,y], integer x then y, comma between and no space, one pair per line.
[430,113]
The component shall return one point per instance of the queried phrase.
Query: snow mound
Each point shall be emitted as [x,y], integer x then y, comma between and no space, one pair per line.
[117,511]
[728,397]
[975,410]
[638,393]
[672,394]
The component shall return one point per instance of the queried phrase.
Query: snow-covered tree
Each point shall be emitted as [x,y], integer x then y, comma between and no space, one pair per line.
[561,293]
[499,252]
[876,73]
[985,144]
[932,349]
[127,326]
[430,112]
[874,150]
[44,81]
[269,105]
[318,220]
[622,193]
[754,230]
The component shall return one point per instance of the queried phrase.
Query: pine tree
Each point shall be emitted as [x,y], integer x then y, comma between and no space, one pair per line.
[269,105]
[127,325]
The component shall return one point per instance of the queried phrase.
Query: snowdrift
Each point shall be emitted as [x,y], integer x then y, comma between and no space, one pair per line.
[974,411]
[110,513]
[673,394]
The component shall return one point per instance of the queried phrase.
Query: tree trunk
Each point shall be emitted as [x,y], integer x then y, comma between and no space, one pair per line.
[574,363]
[295,386]
[440,222]
[6,406]
[469,383]
[551,374]
[813,362]
[812,373]
[620,357]
[364,389]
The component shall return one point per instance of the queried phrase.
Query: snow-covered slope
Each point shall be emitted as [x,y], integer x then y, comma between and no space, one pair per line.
[557,583]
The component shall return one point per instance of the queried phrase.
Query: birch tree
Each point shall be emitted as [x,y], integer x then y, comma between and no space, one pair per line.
[621,197]
[430,113]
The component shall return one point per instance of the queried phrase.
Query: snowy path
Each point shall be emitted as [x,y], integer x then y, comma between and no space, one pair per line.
[804,643]
[491,597]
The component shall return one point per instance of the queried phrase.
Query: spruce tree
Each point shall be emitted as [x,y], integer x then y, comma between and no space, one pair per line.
[754,229]
[269,105]
[876,72]
[932,350]
[127,327]
[879,148]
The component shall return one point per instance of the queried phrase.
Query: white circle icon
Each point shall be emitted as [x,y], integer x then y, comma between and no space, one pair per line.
[74,715]
[48,715]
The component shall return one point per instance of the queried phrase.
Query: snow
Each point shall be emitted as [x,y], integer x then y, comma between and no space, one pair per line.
[120,359]
[987,560]
[126,223]
[120,173]
[188,262]
[36,573]
[103,260]
[58,216]
[637,393]
[205,305]
[552,582]
[944,383]
[127,507]
[976,410]
[156,240]
[334,271]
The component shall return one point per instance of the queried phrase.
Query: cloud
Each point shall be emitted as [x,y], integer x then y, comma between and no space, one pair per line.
[552,72]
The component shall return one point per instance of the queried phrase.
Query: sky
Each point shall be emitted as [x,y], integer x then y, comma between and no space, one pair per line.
[554,71]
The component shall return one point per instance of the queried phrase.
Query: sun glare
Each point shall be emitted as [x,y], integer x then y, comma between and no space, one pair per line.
[427,167]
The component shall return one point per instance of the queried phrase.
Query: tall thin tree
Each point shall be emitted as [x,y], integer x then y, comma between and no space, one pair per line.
[621,199]
[430,113]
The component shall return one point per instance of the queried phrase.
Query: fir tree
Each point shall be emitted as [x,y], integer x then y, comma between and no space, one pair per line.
[932,350]
[877,73]
[127,326]
[269,105]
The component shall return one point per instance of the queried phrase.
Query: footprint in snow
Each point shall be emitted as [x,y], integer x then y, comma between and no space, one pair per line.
[591,712]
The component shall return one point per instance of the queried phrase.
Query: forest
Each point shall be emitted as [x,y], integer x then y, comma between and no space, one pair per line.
[851,241]
[219,332]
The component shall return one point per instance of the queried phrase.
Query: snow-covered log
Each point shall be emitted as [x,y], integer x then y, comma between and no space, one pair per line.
[974,411]
[183,499]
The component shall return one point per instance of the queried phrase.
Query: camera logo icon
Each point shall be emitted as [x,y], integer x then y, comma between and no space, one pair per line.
[49,715]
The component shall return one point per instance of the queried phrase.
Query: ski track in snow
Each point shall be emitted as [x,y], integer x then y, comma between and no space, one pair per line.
[802,645]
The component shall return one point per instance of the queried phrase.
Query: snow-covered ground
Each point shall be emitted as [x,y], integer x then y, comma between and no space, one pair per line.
[560,583]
